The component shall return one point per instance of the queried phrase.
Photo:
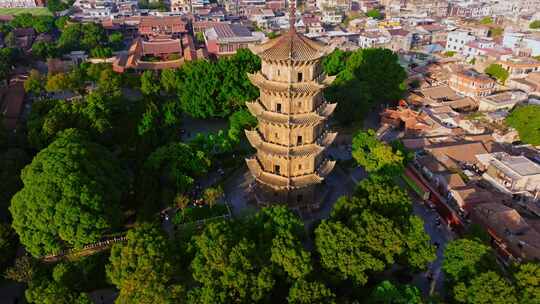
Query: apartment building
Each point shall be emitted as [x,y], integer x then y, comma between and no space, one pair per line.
[471,83]
[457,40]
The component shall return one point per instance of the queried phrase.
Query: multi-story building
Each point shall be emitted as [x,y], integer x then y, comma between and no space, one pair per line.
[471,83]
[342,5]
[291,137]
[225,39]
[512,173]
[469,10]
[373,38]
[19,3]
[401,40]
[520,67]
[456,40]
[501,101]
[523,43]
[170,26]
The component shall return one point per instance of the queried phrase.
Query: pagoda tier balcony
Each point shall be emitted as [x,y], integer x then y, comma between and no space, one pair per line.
[305,88]
[305,119]
[276,150]
[280,182]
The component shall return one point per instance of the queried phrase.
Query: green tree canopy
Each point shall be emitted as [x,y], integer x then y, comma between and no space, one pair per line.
[180,163]
[243,261]
[465,259]
[535,24]
[486,288]
[303,292]
[527,281]
[375,156]
[239,121]
[375,14]
[142,268]
[386,292]
[498,72]
[216,90]
[525,120]
[369,77]
[51,292]
[71,194]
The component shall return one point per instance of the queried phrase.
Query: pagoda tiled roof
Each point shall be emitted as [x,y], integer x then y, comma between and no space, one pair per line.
[287,183]
[305,87]
[291,46]
[276,150]
[321,113]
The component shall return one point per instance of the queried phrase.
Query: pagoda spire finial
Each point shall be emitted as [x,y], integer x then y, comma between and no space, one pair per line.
[292,15]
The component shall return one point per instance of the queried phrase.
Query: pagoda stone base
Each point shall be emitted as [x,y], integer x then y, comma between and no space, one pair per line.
[307,199]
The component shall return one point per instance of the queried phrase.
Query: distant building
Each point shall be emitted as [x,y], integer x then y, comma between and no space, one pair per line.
[372,38]
[525,44]
[457,40]
[469,10]
[520,67]
[170,26]
[511,173]
[19,3]
[471,83]
[225,39]
[509,230]
[501,101]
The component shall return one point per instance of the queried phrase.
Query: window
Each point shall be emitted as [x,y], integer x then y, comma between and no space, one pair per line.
[278,107]
[299,77]
[299,140]
[278,72]
[276,169]
[276,136]
[300,167]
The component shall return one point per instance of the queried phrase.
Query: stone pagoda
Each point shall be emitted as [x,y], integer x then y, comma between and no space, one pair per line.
[292,137]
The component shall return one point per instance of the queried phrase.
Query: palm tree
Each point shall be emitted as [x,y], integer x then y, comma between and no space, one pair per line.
[212,195]
[181,201]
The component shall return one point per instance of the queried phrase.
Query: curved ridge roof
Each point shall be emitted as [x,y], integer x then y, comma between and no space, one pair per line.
[291,46]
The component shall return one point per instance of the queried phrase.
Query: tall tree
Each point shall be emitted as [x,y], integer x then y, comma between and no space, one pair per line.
[527,281]
[375,156]
[142,268]
[486,288]
[465,259]
[71,194]
[523,119]
[303,292]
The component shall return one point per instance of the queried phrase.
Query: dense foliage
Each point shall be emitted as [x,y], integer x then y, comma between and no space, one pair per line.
[142,268]
[498,72]
[208,89]
[365,78]
[535,24]
[376,156]
[71,194]
[525,120]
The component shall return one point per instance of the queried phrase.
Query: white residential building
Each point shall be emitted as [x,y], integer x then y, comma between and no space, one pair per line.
[456,40]
[373,38]
[17,3]
[523,43]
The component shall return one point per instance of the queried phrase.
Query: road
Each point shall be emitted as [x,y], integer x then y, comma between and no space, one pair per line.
[441,235]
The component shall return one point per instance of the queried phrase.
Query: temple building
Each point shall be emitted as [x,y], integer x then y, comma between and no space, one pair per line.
[292,137]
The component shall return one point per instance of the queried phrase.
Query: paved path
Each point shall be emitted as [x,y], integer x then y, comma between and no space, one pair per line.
[439,234]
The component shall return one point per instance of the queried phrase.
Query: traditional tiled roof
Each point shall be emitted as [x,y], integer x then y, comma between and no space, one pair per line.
[306,87]
[323,112]
[287,183]
[291,46]
[256,140]
[156,47]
